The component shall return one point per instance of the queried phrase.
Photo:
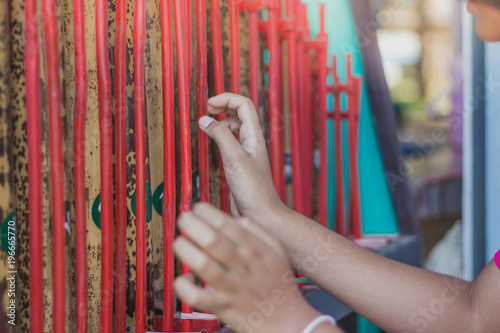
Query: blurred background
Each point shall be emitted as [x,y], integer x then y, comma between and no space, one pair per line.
[420,43]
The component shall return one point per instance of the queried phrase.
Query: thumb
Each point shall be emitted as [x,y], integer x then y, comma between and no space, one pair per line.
[229,147]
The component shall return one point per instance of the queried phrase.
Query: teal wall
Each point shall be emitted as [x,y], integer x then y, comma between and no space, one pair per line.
[377,210]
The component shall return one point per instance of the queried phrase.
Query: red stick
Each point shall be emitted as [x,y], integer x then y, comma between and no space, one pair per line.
[311,114]
[169,171]
[279,87]
[354,85]
[322,72]
[219,89]
[79,152]
[339,161]
[253,31]
[120,165]
[56,164]
[106,132]
[217,47]
[234,24]
[276,126]
[34,123]
[187,33]
[140,144]
[297,175]
[302,117]
[304,112]
[201,97]
[185,132]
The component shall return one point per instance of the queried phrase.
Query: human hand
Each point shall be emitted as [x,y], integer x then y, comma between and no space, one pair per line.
[250,283]
[246,163]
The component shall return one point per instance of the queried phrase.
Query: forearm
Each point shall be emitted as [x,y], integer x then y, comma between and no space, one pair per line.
[395,296]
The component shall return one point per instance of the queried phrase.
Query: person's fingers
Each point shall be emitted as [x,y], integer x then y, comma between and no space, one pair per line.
[231,150]
[198,297]
[232,104]
[232,123]
[206,267]
[213,242]
[237,105]
[229,227]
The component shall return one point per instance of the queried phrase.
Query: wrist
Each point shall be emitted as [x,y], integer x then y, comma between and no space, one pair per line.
[292,319]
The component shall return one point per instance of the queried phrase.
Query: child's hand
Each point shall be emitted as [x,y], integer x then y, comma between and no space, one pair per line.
[246,162]
[250,283]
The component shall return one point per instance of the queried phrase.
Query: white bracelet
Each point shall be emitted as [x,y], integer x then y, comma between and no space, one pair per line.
[318,321]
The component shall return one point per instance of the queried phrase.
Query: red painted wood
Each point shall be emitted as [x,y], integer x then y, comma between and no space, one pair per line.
[219,89]
[139,37]
[303,110]
[322,72]
[254,5]
[234,24]
[293,105]
[56,164]
[185,128]
[274,104]
[79,167]
[34,140]
[120,165]
[339,160]
[354,102]
[201,98]
[168,208]
[253,32]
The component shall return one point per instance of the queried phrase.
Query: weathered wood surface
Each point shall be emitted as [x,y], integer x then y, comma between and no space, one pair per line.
[6,198]
[13,135]
[92,173]
[154,109]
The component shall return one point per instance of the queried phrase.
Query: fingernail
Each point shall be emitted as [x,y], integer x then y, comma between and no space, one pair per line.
[205,121]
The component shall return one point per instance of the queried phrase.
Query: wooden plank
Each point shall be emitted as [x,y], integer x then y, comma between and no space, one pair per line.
[154,109]
[131,244]
[19,154]
[92,174]
[68,85]
[6,186]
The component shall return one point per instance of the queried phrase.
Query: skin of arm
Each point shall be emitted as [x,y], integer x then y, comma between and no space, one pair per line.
[394,296]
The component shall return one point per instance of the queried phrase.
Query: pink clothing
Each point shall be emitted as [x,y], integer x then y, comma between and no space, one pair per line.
[497,259]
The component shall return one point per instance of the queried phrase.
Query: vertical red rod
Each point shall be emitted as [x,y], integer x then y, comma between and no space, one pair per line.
[56,164]
[217,47]
[322,72]
[296,144]
[140,144]
[354,85]
[339,163]
[234,23]
[188,35]
[185,132]
[253,31]
[169,171]
[219,89]
[34,123]
[302,110]
[201,97]
[79,152]
[311,120]
[106,142]
[120,165]
[276,125]
[279,102]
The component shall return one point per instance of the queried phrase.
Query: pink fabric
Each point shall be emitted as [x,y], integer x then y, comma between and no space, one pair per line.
[497,259]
